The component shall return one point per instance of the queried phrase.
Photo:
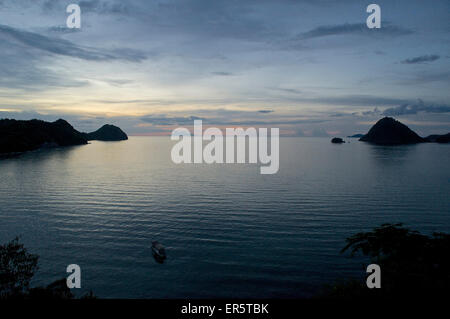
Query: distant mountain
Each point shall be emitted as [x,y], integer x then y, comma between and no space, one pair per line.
[20,136]
[107,133]
[389,131]
[356,136]
[445,138]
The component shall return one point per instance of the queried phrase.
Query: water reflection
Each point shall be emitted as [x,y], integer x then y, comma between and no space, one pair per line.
[101,205]
[391,155]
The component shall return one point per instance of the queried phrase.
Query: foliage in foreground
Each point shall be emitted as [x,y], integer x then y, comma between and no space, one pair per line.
[412,264]
[17,267]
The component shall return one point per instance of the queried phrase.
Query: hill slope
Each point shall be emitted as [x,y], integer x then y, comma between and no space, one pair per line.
[389,131]
[107,133]
[20,136]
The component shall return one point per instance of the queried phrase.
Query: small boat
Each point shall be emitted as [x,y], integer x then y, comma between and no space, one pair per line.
[158,250]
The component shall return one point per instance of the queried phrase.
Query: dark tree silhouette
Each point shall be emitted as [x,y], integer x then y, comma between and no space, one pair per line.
[17,267]
[412,264]
[56,290]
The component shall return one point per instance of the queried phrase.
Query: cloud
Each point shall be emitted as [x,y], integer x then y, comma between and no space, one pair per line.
[226,121]
[90,6]
[352,100]
[287,90]
[420,106]
[170,120]
[242,49]
[222,73]
[62,29]
[266,111]
[427,77]
[421,59]
[66,48]
[26,60]
[118,82]
[103,7]
[353,28]
[375,111]
[29,72]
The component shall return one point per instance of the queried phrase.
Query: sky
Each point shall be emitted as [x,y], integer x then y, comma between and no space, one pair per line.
[308,67]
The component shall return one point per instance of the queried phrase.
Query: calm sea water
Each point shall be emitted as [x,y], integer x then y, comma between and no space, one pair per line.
[229,231]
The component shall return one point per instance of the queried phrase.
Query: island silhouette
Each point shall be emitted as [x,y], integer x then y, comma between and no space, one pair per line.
[20,136]
[389,131]
[107,132]
[337,140]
